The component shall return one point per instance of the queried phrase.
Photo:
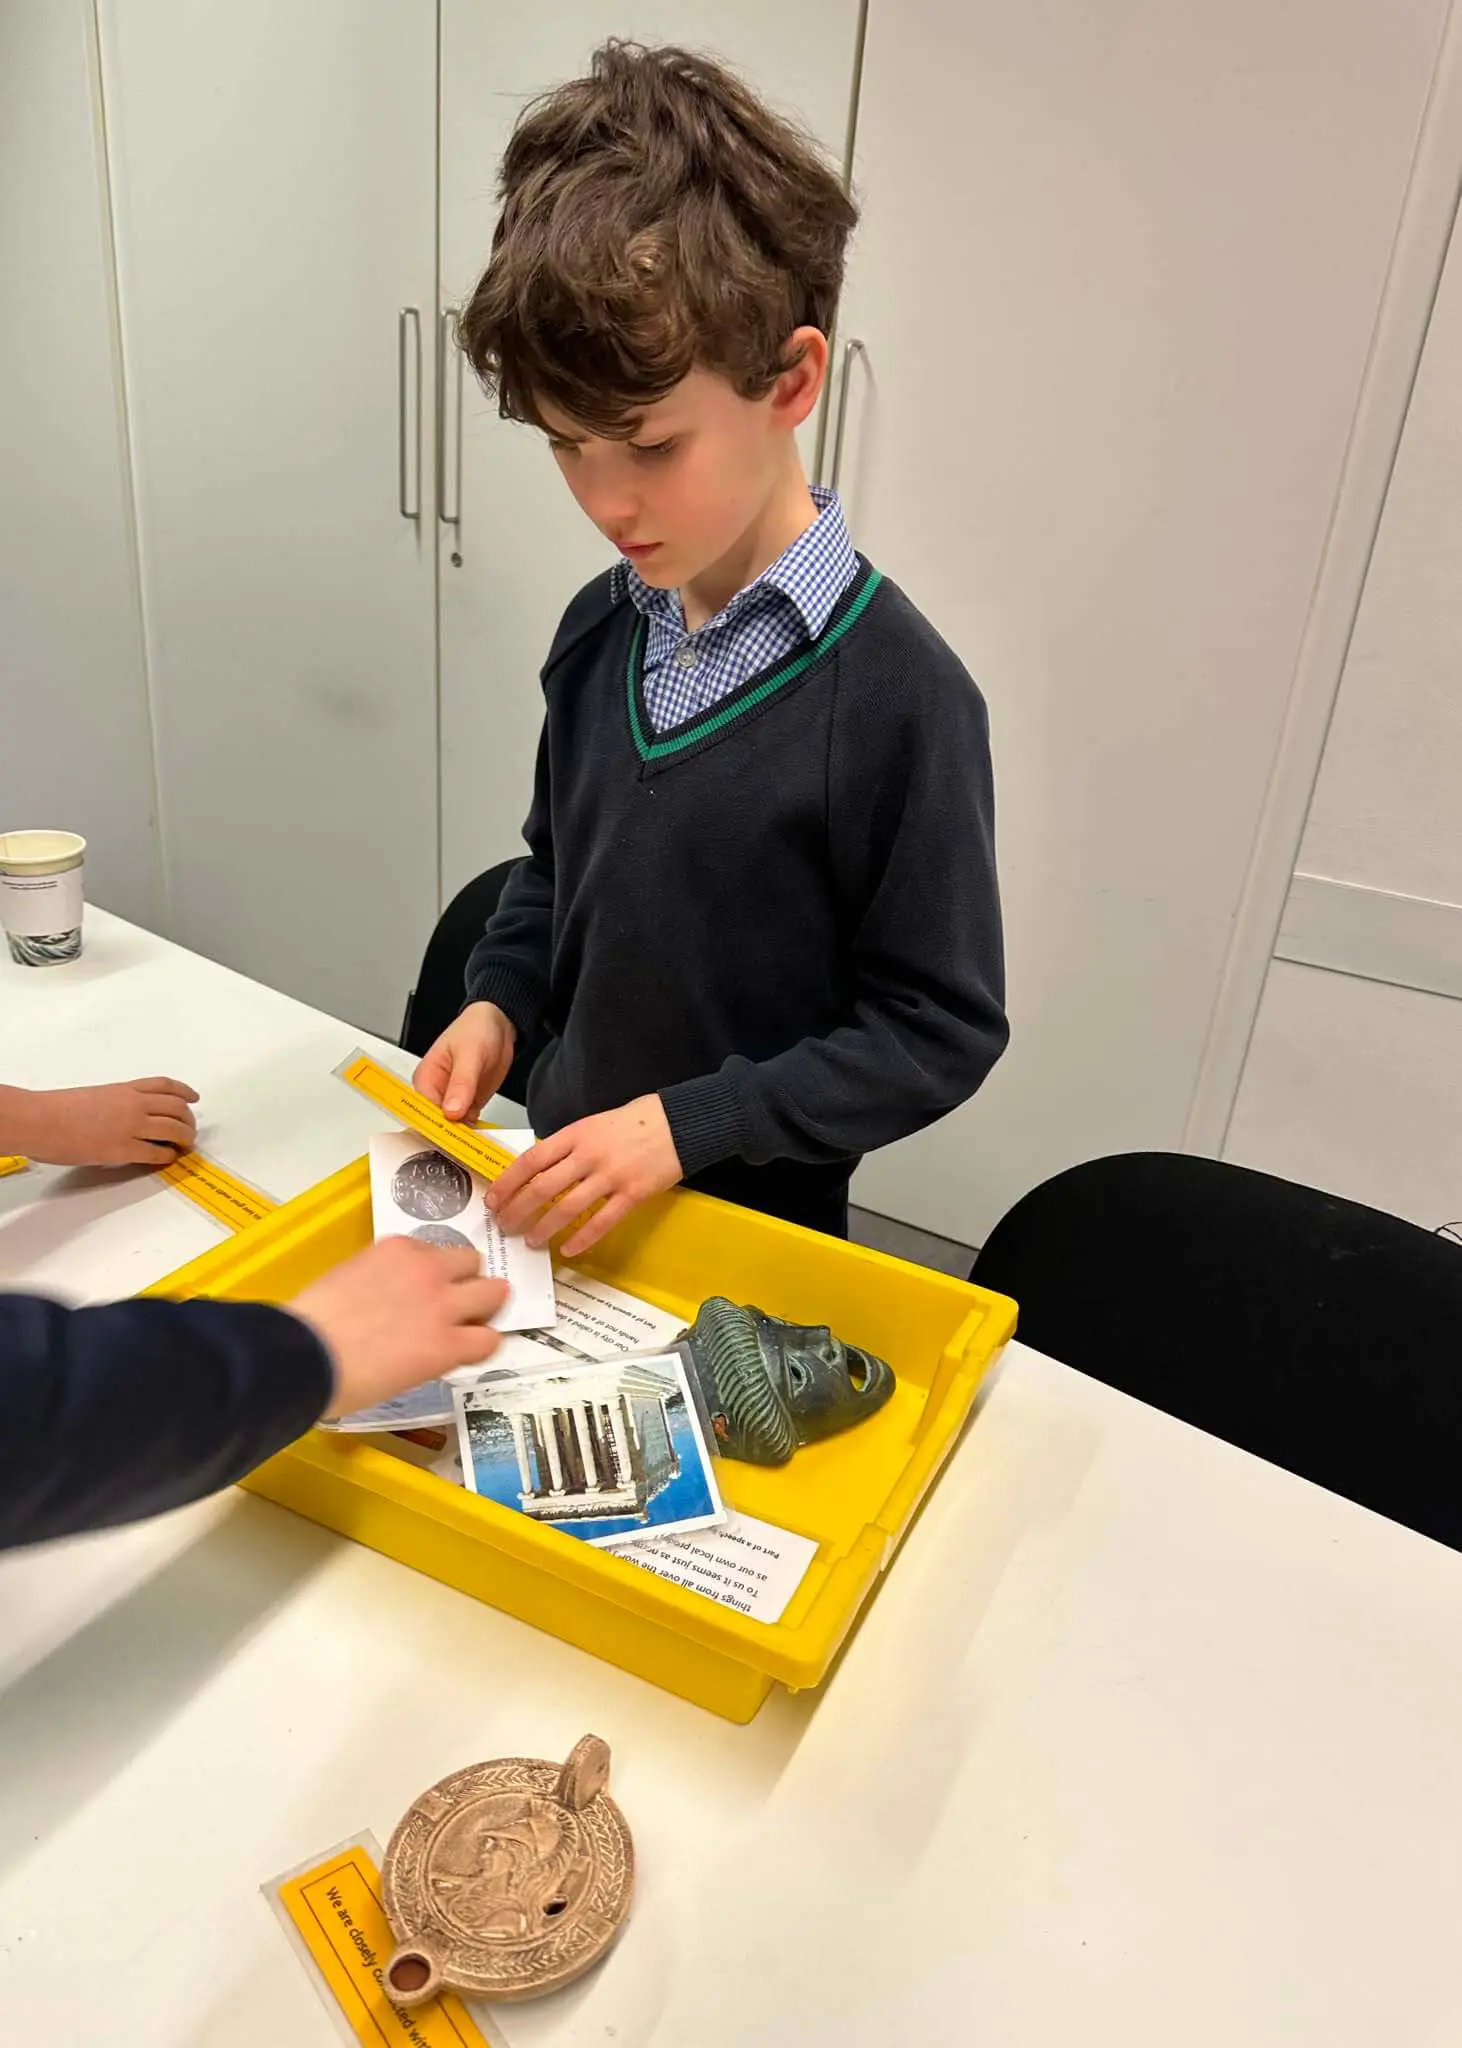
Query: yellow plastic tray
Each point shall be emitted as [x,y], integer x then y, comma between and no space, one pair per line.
[856,1495]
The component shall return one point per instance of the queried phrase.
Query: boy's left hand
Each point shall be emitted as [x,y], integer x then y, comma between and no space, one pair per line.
[619,1159]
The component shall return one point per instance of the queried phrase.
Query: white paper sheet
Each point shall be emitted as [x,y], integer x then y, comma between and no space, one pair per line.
[425,1407]
[746,1564]
[510,1138]
[447,1464]
[446,1203]
[596,1320]
[419,1192]
[431,1406]
[516,1353]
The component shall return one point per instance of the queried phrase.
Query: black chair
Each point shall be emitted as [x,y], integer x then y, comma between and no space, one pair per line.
[1320,1335]
[441,984]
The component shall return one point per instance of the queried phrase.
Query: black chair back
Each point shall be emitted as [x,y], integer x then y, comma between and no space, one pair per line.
[441,985]
[1318,1334]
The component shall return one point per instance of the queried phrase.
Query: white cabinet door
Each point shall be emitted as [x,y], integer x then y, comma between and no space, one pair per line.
[1387,807]
[75,749]
[1353,1080]
[1355,1086]
[1117,278]
[523,544]
[274,171]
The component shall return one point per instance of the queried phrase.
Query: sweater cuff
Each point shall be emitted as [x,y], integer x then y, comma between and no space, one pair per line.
[521,1000]
[707,1119]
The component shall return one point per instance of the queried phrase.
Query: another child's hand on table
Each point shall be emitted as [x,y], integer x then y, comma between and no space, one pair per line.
[126,1123]
[619,1159]
[468,1063]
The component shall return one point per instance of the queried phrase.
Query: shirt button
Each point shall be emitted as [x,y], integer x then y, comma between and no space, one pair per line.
[687,655]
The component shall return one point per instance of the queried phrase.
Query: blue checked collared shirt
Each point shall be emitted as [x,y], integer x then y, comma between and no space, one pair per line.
[786,607]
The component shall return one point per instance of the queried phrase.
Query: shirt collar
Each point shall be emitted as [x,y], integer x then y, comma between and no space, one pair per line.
[811,574]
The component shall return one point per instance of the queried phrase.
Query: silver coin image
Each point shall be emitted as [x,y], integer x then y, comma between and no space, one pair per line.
[443,1235]
[431,1188]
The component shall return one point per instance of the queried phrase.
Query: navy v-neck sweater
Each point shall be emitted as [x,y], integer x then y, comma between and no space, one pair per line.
[780,917]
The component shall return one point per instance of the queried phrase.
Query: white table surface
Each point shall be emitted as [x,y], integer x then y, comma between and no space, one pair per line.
[1143,1742]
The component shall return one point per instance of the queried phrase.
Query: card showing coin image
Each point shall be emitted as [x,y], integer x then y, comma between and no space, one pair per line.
[419,1192]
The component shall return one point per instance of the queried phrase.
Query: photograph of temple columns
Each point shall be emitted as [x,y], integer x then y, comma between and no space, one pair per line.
[606,1451]
[597,1444]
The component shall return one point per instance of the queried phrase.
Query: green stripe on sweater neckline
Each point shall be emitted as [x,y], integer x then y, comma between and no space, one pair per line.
[727,714]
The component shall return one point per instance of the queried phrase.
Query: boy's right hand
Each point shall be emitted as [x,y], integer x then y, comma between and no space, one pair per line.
[397,1315]
[469,1062]
[127,1123]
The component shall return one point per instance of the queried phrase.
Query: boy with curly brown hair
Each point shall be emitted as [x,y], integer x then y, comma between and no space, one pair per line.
[757,931]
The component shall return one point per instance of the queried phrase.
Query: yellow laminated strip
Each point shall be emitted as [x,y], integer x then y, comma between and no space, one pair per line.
[465,1143]
[336,1909]
[227,1199]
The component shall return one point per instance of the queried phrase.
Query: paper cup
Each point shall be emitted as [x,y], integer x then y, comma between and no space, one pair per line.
[41,895]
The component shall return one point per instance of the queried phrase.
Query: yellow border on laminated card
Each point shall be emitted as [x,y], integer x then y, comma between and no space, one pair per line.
[468,1144]
[337,1912]
[211,1187]
[221,1194]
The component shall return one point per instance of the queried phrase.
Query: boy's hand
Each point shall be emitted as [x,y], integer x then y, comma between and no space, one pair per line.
[399,1314]
[619,1159]
[468,1063]
[128,1123]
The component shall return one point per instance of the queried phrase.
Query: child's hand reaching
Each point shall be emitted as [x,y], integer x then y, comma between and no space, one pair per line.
[468,1063]
[127,1123]
[399,1314]
[619,1159]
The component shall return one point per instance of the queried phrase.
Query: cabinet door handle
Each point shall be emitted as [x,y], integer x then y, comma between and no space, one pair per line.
[447,348]
[854,348]
[408,415]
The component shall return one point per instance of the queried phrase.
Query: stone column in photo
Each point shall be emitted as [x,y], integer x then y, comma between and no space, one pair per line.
[520,1445]
[620,1436]
[549,1436]
[586,1445]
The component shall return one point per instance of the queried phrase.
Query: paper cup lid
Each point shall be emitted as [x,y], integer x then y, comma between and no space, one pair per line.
[39,853]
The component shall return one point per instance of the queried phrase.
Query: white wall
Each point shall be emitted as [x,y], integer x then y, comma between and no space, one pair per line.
[1355,1086]
[75,745]
[1353,1080]
[274,178]
[1119,278]
[1387,809]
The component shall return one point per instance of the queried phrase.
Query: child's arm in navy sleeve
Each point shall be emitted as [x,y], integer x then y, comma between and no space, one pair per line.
[109,1414]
